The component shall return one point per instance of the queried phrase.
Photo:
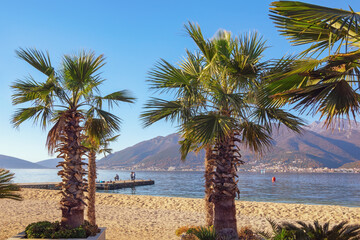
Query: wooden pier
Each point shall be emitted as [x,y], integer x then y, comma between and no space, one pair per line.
[99,186]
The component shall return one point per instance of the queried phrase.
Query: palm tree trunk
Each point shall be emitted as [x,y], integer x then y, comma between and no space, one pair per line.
[73,184]
[225,188]
[209,168]
[91,187]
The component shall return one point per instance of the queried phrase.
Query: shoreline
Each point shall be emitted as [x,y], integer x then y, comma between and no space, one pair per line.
[313,171]
[236,200]
[133,217]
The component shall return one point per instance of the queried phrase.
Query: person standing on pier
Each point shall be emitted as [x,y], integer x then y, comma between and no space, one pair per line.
[132,175]
[116,178]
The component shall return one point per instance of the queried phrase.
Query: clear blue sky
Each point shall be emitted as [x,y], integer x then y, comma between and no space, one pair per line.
[133,35]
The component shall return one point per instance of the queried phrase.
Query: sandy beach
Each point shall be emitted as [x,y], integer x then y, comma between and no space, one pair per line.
[130,217]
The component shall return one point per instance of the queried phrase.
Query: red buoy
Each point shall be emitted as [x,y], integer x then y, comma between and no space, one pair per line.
[273,179]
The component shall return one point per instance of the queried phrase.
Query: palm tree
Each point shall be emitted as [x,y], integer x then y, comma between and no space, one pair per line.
[64,99]
[95,146]
[8,189]
[315,83]
[216,106]
[99,133]
[232,113]
[189,99]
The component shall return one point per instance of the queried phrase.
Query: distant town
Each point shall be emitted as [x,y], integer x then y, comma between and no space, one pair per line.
[265,168]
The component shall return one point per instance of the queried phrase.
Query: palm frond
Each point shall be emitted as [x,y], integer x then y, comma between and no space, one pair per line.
[80,72]
[7,188]
[333,100]
[255,137]
[29,90]
[305,23]
[205,46]
[56,132]
[188,145]
[96,130]
[221,97]
[203,233]
[112,121]
[39,114]
[166,77]
[98,135]
[269,117]
[37,59]
[174,111]
[117,97]
[207,128]
[192,64]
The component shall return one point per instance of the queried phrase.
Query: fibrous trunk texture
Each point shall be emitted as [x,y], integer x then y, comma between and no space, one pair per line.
[226,157]
[91,188]
[73,184]
[209,168]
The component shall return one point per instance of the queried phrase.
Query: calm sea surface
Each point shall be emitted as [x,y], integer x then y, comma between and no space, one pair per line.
[310,188]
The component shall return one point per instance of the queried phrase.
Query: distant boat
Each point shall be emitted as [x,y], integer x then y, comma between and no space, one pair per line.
[262,171]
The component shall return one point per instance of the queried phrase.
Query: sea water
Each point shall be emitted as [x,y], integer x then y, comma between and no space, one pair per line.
[308,188]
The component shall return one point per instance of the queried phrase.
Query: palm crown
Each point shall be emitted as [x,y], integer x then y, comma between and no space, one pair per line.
[217,90]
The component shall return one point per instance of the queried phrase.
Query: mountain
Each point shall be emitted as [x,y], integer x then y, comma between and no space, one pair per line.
[159,152]
[50,163]
[315,147]
[12,162]
[351,165]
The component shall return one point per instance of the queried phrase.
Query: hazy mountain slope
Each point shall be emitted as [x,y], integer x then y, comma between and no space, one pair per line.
[144,153]
[315,147]
[50,163]
[170,157]
[12,162]
[351,165]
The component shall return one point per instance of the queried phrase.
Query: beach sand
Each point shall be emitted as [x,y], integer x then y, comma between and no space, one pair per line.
[130,217]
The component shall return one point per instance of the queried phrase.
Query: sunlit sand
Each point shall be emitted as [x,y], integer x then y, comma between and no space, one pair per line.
[148,217]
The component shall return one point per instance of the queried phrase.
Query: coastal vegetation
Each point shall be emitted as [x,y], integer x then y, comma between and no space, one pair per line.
[217,92]
[315,231]
[95,144]
[284,231]
[323,79]
[67,99]
[208,233]
[99,135]
[206,86]
[55,230]
[223,97]
[8,189]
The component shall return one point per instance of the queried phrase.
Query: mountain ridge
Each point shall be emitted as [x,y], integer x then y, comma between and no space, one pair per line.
[316,147]
[13,162]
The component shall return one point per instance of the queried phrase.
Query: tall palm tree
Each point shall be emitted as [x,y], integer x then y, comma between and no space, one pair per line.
[7,188]
[216,105]
[64,99]
[189,92]
[316,82]
[99,133]
[95,146]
